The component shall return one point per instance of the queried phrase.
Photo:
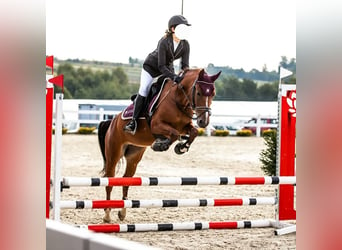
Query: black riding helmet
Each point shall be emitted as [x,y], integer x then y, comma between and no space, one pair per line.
[178,19]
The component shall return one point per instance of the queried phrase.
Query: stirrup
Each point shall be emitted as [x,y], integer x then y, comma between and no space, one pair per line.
[131,127]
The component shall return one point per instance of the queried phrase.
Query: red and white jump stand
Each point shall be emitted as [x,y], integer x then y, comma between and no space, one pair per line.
[49,108]
[285,209]
[286,155]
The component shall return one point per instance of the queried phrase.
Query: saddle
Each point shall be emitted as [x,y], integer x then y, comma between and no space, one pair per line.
[150,103]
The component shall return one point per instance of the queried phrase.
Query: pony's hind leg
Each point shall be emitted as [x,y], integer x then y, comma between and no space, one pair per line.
[107,218]
[133,155]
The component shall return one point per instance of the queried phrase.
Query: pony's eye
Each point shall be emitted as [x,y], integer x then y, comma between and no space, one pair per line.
[198,93]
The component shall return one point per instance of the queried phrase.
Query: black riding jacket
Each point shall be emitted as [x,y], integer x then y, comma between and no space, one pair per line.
[160,61]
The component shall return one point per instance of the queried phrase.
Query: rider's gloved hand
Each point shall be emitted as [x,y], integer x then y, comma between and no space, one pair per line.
[177,79]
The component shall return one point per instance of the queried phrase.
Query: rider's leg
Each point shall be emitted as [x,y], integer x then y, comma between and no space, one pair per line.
[145,84]
[131,127]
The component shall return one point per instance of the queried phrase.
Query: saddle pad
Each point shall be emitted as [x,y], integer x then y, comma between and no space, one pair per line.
[128,111]
[155,98]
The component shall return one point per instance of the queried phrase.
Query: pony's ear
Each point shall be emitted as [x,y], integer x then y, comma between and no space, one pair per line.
[214,77]
[201,74]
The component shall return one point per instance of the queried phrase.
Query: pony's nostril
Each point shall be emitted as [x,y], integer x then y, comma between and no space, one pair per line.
[201,123]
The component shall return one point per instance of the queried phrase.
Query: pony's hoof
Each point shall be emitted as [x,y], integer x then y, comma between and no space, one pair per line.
[121,216]
[180,149]
[107,219]
[161,145]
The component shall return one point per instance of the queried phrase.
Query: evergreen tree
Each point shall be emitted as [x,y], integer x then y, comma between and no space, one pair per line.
[268,155]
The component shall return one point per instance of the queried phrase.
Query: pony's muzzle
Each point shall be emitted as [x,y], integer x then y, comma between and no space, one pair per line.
[203,120]
[203,117]
[202,123]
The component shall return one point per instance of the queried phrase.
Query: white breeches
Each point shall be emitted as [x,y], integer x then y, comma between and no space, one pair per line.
[145,83]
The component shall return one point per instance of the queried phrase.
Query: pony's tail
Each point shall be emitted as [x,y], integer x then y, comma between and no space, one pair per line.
[102,130]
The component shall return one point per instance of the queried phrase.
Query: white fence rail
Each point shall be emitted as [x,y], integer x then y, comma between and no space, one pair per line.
[96,116]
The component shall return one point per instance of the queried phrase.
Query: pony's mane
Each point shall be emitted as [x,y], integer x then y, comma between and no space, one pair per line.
[188,72]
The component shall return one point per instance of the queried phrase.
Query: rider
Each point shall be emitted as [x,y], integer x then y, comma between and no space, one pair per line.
[160,62]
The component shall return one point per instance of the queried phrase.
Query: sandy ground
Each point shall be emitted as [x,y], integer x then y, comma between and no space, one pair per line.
[208,156]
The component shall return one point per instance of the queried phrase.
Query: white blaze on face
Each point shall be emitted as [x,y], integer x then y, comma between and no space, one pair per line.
[207,113]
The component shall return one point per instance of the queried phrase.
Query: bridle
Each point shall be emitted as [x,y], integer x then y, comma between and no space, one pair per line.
[192,103]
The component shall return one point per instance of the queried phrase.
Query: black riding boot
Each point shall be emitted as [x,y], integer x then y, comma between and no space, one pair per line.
[131,127]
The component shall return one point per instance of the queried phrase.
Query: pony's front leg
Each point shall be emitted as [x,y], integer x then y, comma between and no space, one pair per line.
[122,213]
[165,135]
[181,147]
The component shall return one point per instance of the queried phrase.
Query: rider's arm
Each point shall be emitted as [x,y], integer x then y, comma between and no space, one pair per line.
[185,56]
[163,60]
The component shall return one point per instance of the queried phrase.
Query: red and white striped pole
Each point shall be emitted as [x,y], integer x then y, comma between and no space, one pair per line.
[210,202]
[123,228]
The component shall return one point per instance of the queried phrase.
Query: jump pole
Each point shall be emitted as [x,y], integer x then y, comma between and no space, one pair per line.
[122,228]
[68,182]
[100,204]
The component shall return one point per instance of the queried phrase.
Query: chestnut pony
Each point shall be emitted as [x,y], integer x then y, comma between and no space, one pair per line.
[177,106]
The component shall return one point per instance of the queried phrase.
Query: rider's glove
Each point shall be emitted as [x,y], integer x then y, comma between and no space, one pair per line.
[177,79]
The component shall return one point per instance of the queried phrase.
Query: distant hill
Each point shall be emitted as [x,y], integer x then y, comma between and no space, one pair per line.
[254,74]
[133,69]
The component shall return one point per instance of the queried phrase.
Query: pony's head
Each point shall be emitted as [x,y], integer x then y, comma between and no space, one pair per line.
[203,93]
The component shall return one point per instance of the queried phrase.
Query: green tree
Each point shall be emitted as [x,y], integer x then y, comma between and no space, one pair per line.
[66,68]
[105,75]
[121,76]
[84,83]
[249,88]
[268,156]
[290,65]
[283,62]
[106,90]
[70,83]
[231,88]
[268,92]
